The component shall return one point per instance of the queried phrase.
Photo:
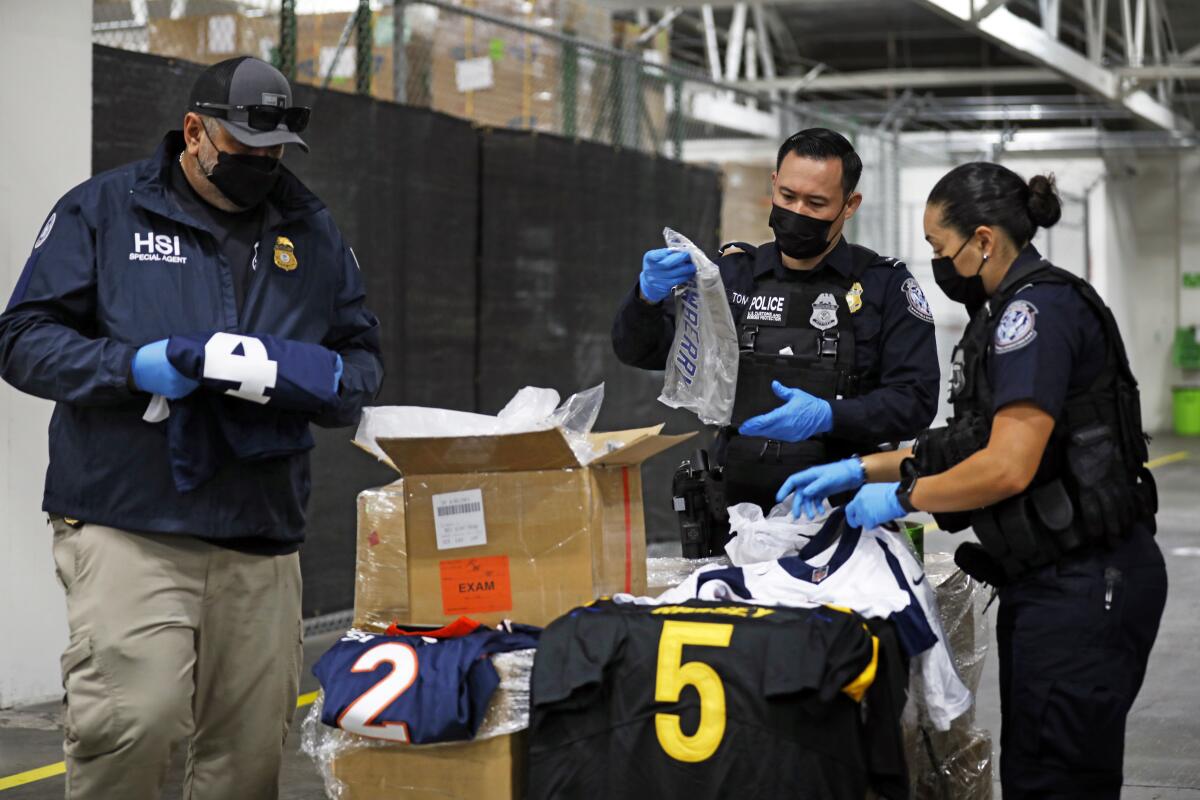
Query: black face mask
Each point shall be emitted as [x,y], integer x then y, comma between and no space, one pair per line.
[967,290]
[246,180]
[800,236]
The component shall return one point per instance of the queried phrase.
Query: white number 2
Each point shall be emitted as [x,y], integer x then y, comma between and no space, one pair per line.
[252,369]
[359,716]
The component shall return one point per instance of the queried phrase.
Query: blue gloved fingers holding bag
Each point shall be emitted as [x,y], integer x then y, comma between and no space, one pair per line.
[662,270]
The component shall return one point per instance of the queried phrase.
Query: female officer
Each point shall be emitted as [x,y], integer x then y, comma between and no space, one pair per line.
[1043,459]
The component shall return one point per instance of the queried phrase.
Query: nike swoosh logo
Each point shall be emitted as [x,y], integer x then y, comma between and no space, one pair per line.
[919,582]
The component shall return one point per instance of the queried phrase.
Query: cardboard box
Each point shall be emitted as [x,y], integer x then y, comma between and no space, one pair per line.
[746,208]
[491,768]
[524,531]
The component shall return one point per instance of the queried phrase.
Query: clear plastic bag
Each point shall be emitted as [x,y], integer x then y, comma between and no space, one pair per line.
[531,409]
[702,366]
[757,538]
[508,712]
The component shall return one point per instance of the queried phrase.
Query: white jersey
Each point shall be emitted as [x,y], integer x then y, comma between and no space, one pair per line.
[871,572]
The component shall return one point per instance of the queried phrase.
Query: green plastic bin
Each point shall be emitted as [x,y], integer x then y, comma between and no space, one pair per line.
[1187,410]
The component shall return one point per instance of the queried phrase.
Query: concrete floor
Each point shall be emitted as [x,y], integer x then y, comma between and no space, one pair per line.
[1162,756]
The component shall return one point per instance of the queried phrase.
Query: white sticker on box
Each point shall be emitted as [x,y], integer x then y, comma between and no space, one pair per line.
[458,519]
[474,74]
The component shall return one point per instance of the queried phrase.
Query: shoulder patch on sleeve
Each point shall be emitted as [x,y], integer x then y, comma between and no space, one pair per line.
[45,232]
[918,305]
[1017,328]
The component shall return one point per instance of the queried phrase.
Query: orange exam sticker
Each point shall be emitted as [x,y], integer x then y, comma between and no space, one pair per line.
[475,585]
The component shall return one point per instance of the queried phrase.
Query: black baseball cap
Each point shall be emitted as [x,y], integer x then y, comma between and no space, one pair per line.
[237,88]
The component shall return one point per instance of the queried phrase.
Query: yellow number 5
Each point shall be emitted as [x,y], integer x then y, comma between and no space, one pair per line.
[673,675]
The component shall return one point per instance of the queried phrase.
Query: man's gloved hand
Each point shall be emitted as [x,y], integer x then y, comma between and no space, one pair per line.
[814,484]
[153,373]
[662,271]
[800,417]
[875,504]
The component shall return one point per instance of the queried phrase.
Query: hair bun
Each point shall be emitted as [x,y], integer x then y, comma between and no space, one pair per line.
[1044,204]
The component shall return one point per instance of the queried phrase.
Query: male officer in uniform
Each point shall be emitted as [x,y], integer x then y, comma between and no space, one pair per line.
[183,604]
[843,336]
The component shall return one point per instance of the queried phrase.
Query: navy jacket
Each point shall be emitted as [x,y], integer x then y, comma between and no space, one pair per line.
[118,265]
[894,332]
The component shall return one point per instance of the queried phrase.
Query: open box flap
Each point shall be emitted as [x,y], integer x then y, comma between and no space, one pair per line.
[448,455]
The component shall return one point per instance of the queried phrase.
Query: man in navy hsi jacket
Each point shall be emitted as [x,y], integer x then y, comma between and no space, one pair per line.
[189,314]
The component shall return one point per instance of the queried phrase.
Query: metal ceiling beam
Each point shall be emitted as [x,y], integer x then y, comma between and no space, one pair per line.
[1190,55]
[1162,72]
[877,80]
[1028,41]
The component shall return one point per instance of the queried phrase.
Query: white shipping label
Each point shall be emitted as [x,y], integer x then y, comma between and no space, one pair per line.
[458,519]
[474,74]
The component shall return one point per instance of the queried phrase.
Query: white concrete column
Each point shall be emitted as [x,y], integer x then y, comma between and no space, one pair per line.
[46,148]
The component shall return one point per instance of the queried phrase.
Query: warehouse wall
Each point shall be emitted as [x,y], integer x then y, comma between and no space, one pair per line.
[48,45]
[494,259]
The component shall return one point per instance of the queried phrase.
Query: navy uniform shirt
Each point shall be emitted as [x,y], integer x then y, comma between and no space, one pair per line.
[1048,344]
[893,332]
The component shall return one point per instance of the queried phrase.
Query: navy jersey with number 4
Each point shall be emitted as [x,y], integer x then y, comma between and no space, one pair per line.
[420,687]
[297,376]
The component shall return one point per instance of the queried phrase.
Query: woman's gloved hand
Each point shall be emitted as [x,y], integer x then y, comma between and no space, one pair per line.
[875,504]
[815,484]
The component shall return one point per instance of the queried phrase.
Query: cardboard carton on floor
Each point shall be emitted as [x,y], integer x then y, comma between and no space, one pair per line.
[492,768]
[497,527]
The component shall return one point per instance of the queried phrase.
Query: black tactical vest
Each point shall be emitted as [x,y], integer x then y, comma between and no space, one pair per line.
[800,333]
[1091,484]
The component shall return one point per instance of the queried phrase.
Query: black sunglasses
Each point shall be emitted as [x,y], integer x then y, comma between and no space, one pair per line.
[267,118]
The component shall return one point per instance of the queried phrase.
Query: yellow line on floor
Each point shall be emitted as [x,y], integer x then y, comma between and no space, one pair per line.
[1162,461]
[54,770]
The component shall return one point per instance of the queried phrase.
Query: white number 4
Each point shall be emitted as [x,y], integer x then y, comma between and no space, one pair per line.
[252,369]
[359,717]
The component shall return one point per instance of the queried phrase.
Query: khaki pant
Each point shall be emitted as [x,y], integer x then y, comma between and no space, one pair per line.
[173,638]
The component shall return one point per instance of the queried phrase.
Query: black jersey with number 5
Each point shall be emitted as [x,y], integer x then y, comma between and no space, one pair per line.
[701,700]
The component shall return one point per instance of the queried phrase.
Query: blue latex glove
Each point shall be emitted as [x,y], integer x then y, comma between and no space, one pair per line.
[875,504]
[815,484]
[153,373]
[662,271]
[337,373]
[800,417]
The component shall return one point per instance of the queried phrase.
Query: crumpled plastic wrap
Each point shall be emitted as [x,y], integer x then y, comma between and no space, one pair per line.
[667,572]
[530,409]
[758,538]
[955,764]
[703,361]
[508,713]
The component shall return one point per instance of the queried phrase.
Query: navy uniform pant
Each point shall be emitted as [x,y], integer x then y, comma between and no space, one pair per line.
[1074,639]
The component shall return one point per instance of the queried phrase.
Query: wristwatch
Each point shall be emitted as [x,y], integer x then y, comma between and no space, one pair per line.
[904,491]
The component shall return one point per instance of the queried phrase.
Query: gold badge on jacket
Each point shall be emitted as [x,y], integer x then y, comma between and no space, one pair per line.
[285,254]
[853,297]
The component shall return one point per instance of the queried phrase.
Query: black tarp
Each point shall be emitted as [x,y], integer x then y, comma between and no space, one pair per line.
[494,260]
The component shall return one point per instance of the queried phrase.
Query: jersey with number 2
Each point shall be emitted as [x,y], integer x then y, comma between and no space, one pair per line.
[414,688]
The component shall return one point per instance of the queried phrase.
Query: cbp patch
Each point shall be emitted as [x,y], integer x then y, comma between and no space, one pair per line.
[45,233]
[918,305]
[767,309]
[824,313]
[1016,328]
